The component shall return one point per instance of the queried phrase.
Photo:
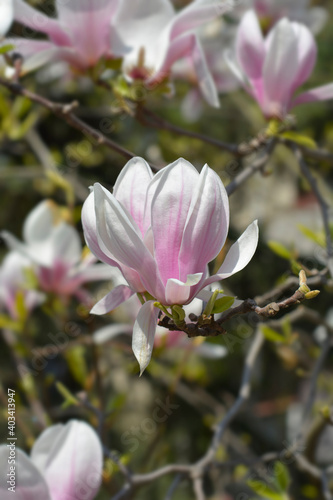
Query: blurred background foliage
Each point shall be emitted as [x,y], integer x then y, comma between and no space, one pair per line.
[202,389]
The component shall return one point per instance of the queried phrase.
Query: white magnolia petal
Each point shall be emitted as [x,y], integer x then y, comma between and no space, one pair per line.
[239,254]
[30,484]
[131,187]
[211,351]
[6,16]
[109,332]
[178,292]
[72,453]
[144,333]
[112,300]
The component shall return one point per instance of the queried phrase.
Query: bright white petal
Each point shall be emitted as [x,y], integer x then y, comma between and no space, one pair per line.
[69,455]
[6,16]
[109,332]
[144,333]
[30,484]
[112,300]
[239,254]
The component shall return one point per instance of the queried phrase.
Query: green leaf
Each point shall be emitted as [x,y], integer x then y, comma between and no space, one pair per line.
[282,476]
[264,490]
[273,335]
[318,238]
[6,48]
[280,250]
[77,363]
[69,398]
[302,140]
[223,304]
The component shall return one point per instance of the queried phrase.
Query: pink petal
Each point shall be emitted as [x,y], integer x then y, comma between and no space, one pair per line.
[144,333]
[169,209]
[280,68]
[307,53]
[38,21]
[131,188]
[239,254]
[323,93]
[112,300]
[178,292]
[71,459]
[88,23]
[30,484]
[197,13]
[250,47]
[88,217]
[118,233]
[206,226]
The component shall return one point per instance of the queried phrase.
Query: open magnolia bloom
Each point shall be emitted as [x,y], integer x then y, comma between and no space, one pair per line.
[13,282]
[55,249]
[271,11]
[79,35]
[161,231]
[6,16]
[65,463]
[152,36]
[271,69]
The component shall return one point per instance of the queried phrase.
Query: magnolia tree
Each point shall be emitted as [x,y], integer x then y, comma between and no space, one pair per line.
[167,260]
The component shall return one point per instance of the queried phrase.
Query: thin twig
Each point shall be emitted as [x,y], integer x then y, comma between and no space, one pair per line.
[323,205]
[65,112]
[251,169]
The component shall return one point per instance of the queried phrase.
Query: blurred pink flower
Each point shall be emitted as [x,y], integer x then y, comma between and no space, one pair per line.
[161,232]
[65,463]
[79,35]
[272,69]
[152,36]
[55,249]
[13,282]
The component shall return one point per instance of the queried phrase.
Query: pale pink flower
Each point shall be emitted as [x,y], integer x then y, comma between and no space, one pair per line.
[152,36]
[271,69]
[13,281]
[56,251]
[65,463]
[161,231]
[79,35]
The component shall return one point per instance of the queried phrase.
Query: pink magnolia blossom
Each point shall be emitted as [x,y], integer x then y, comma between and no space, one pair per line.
[55,249]
[6,16]
[79,35]
[65,463]
[13,282]
[271,69]
[161,231]
[152,36]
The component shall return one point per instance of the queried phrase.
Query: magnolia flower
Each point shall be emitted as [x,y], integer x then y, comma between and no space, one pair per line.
[151,36]
[13,281]
[80,35]
[6,16]
[161,232]
[272,69]
[65,463]
[271,11]
[55,248]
